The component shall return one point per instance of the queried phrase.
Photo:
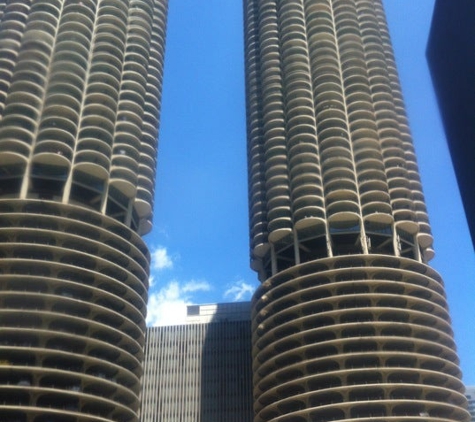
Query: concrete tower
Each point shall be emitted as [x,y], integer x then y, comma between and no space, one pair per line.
[80,85]
[349,323]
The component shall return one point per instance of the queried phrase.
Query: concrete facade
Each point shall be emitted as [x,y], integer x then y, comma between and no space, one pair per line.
[80,85]
[349,323]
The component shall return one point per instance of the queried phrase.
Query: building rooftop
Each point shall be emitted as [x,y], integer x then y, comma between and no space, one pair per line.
[218,312]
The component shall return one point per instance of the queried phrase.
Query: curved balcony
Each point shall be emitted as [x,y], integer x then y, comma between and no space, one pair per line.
[73,302]
[374,194]
[378,347]
[53,153]
[95,132]
[92,162]
[105,73]
[335,176]
[13,144]
[337,158]
[123,180]
[143,202]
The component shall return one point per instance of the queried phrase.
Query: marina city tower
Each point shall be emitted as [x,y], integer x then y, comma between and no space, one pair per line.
[349,322]
[80,85]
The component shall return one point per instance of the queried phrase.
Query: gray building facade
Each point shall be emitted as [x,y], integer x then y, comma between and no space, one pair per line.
[470,393]
[200,371]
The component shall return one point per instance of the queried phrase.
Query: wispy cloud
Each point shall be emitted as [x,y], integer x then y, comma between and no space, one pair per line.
[168,305]
[161,260]
[195,286]
[239,291]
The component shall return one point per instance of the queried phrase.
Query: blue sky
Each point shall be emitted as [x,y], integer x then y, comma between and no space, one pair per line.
[199,242]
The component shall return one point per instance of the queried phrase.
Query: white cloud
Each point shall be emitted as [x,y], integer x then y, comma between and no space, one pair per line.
[168,305]
[240,290]
[195,286]
[161,260]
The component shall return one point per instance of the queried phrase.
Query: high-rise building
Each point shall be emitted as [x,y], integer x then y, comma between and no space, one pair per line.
[349,323]
[452,65]
[80,85]
[200,371]
[470,393]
